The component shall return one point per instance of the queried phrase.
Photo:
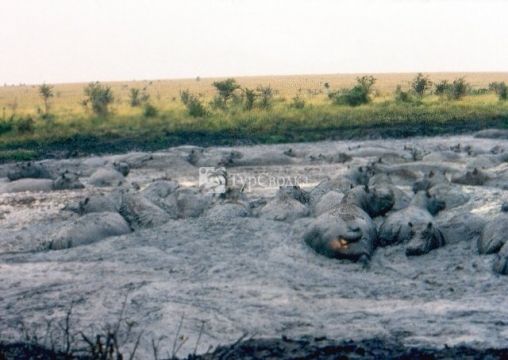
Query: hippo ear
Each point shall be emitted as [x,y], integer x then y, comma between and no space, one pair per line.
[410,224]
[429,225]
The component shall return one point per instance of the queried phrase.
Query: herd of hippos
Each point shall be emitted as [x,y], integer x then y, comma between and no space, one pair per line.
[349,216]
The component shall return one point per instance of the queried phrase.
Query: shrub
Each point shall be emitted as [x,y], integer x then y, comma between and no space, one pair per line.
[402,96]
[5,126]
[46,92]
[185,96]
[194,106]
[500,88]
[226,89]
[420,84]
[249,98]
[266,96]
[138,97]
[149,110]
[297,102]
[357,95]
[24,125]
[218,103]
[458,89]
[99,97]
[442,88]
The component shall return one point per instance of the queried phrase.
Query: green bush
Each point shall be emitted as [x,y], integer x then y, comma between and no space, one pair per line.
[297,102]
[195,107]
[5,126]
[24,125]
[458,89]
[500,88]
[185,96]
[226,89]
[402,96]
[99,97]
[420,84]
[149,110]
[266,94]
[249,98]
[137,97]
[442,88]
[357,95]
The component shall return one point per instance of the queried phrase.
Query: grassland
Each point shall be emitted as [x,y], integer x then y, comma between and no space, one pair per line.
[74,130]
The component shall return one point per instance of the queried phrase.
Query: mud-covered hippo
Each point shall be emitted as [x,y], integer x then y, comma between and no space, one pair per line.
[473,177]
[347,231]
[30,170]
[89,229]
[414,225]
[494,240]
[289,204]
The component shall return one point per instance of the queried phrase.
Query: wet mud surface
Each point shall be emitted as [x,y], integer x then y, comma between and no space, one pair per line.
[239,266]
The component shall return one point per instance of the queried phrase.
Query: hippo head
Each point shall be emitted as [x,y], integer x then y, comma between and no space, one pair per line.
[425,237]
[431,203]
[332,237]
[67,181]
[380,200]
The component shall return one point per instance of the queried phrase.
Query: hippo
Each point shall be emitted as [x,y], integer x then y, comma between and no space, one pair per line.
[67,181]
[27,184]
[105,176]
[122,167]
[414,225]
[88,229]
[493,240]
[30,170]
[402,199]
[473,177]
[347,231]
[289,204]
[141,212]
[338,184]
[429,180]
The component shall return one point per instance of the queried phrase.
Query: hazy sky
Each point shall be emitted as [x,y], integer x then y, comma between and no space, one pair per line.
[84,40]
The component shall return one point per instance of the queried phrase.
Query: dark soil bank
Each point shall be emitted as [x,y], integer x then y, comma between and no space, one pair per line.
[304,348]
[82,145]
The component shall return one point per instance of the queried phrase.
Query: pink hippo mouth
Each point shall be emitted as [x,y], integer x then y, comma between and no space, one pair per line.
[344,241]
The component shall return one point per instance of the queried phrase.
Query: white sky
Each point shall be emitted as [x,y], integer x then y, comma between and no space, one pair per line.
[85,40]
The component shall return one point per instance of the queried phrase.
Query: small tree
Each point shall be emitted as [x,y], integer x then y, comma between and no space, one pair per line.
[500,89]
[195,107]
[226,89]
[442,88]
[266,96]
[250,98]
[99,97]
[420,84]
[46,92]
[138,97]
[402,96]
[458,89]
[357,95]
[149,110]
